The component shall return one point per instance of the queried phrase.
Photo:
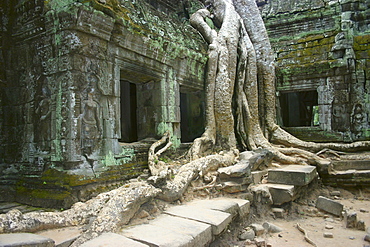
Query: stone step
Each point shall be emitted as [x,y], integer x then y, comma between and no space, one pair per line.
[344,165]
[168,230]
[63,237]
[25,240]
[193,224]
[299,175]
[217,219]
[110,239]
[281,193]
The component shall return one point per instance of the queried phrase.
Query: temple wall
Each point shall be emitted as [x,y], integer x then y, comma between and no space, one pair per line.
[61,96]
[322,46]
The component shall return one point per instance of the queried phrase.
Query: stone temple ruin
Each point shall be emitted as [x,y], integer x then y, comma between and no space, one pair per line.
[87,86]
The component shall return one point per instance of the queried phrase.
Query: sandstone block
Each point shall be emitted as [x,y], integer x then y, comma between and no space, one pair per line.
[293,175]
[329,205]
[281,193]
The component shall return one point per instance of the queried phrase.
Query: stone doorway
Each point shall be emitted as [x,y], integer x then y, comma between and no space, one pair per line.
[128,96]
[299,109]
[192,109]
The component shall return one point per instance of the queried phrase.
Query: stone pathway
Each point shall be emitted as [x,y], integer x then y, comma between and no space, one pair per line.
[196,223]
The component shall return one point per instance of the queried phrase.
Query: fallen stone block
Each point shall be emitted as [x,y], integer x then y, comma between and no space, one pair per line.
[367,237]
[293,175]
[258,229]
[260,242]
[247,234]
[25,240]
[281,193]
[360,225]
[110,239]
[271,228]
[278,212]
[329,206]
[350,219]
[328,235]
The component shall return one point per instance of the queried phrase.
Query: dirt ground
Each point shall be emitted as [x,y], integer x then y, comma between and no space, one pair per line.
[315,222]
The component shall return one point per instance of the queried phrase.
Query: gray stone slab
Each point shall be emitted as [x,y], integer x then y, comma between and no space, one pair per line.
[219,220]
[201,232]
[281,193]
[329,205]
[224,205]
[257,176]
[110,239]
[293,175]
[63,237]
[158,236]
[232,206]
[25,240]
[244,206]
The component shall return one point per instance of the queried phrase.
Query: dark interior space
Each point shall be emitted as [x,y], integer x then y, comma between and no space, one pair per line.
[299,109]
[192,115]
[128,112]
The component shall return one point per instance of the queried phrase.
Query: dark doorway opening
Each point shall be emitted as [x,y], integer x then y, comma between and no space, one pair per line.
[128,112]
[192,115]
[299,108]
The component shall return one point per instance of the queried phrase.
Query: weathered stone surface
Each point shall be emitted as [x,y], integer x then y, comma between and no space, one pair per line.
[278,212]
[258,229]
[240,169]
[158,236]
[233,206]
[258,175]
[248,233]
[219,220]
[271,228]
[232,187]
[367,237]
[292,175]
[63,237]
[25,240]
[281,193]
[220,204]
[329,205]
[200,232]
[110,239]
[257,158]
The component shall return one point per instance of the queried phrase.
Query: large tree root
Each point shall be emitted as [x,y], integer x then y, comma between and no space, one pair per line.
[174,189]
[108,210]
[159,169]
